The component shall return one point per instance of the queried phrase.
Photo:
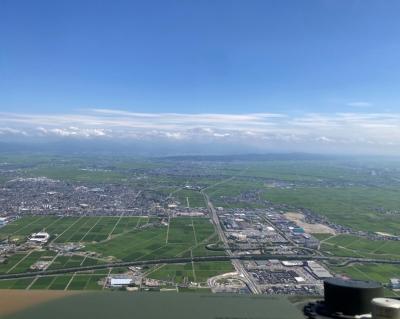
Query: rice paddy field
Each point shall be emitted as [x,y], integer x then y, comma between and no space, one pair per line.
[196,272]
[110,239]
[361,208]
[125,238]
[348,245]
[190,198]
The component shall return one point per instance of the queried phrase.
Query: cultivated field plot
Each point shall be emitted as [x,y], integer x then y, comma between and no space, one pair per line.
[59,282]
[362,208]
[177,239]
[21,262]
[191,272]
[112,238]
[71,229]
[190,198]
[347,245]
[119,238]
[376,272]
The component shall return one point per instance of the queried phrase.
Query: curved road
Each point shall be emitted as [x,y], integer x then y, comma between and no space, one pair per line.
[236,263]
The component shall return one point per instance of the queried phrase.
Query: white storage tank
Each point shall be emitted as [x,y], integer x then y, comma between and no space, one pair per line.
[385,308]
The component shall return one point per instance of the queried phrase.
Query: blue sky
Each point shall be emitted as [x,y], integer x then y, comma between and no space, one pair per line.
[291,58]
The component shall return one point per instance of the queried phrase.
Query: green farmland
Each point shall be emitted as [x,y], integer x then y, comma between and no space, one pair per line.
[196,272]
[190,198]
[353,246]
[122,238]
[111,238]
[376,272]
[362,208]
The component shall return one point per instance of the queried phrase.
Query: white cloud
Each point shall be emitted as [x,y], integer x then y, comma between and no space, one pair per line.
[13,131]
[324,139]
[262,130]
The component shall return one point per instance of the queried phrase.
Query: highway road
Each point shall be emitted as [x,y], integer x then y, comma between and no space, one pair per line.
[340,261]
[236,263]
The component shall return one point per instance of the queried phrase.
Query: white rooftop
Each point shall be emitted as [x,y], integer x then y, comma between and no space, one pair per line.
[120,281]
[41,237]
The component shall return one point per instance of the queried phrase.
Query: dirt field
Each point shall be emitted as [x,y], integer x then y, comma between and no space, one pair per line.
[309,228]
[15,300]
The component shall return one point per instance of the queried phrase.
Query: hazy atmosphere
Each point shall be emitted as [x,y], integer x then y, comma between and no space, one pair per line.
[340,133]
[210,159]
[203,77]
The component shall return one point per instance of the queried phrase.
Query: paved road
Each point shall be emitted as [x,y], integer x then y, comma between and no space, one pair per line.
[236,263]
[344,261]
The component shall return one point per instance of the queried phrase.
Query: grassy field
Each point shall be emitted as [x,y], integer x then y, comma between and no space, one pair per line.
[59,282]
[376,272]
[190,198]
[181,236]
[71,229]
[16,283]
[179,273]
[347,245]
[196,272]
[345,192]
[316,171]
[362,208]
[125,238]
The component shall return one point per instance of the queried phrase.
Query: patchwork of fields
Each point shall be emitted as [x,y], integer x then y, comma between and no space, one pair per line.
[111,238]
[196,272]
[71,229]
[352,246]
[60,282]
[120,238]
[190,198]
[361,208]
